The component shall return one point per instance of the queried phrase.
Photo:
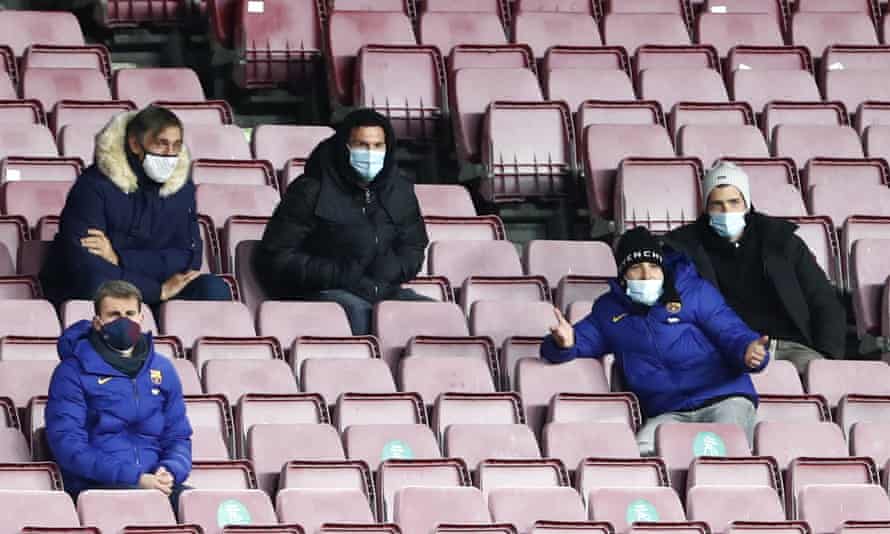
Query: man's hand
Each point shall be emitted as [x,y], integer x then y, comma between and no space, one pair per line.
[165,478]
[562,333]
[756,352]
[96,243]
[150,481]
[177,283]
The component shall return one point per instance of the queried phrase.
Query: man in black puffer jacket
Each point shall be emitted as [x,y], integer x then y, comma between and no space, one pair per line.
[349,229]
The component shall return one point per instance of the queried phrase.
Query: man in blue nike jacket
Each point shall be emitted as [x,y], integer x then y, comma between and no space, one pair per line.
[116,417]
[680,348]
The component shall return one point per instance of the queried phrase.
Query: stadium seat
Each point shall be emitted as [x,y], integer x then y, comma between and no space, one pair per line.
[803,142]
[418,509]
[579,73]
[21,29]
[818,234]
[13,446]
[14,169]
[74,144]
[280,44]
[458,260]
[32,140]
[678,445]
[111,510]
[397,474]
[804,472]
[840,200]
[293,409]
[854,173]
[802,114]
[538,381]
[250,348]
[219,201]
[332,377]
[377,443]
[759,471]
[818,30]
[270,446]
[289,320]
[370,409]
[19,111]
[50,86]
[871,113]
[671,74]
[28,318]
[854,229]
[787,441]
[475,408]
[490,56]
[232,474]
[444,201]
[214,509]
[252,293]
[577,527]
[335,348]
[729,114]
[570,25]
[854,74]
[574,289]
[445,24]
[234,172]
[130,13]
[719,506]
[324,474]
[728,29]
[28,348]
[473,90]
[190,320]
[188,375]
[523,507]
[633,30]
[200,112]
[19,288]
[710,143]
[835,379]
[868,275]
[234,378]
[870,439]
[826,507]
[143,86]
[479,228]
[36,509]
[852,410]
[38,476]
[433,376]
[72,311]
[624,506]
[573,442]
[34,200]
[349,31]
[495,475]
[793,408]
[86,116]
[395,323]
[280,143]
[404,83]
[310,508]
[661,205]
[214,141]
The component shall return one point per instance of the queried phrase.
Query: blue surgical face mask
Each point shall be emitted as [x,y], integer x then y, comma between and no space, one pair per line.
[368,163]
[646,292]
[728,225]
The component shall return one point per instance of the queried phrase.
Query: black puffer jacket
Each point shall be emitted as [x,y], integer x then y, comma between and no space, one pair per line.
[802,286]
[332,232]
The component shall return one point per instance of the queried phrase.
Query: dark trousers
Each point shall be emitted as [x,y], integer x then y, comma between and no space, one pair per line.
[206,287]
[359,310]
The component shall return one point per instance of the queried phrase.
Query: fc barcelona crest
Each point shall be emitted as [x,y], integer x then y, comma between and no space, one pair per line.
[156,377]
[673,307]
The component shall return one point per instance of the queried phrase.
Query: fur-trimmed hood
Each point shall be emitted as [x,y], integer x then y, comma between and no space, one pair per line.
[111,158]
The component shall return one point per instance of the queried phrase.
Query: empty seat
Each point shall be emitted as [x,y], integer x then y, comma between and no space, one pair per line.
[349,31]
[233,474]
[28,348]
[834,379]
[725,30]
[826,507]
[523,507]
[444,200]
[624,506]
[39,476]
[572,442]
[21,29]
[739,471]
[792,408]
[191,320]
[868,276]
[710,143]
[279,143]
[31,140]
[538,381]
[336,348]
[219,201]
[475,443]
[481,228]
[270,446]
[759,75]
[143,86]
[802,114]
[406,85]
[374,444]
[854,229]
[293,409]
[233,172]
[36,509]
[801,143]
[818,234]
[234,378]
[682,73]
[719,506]
[395,323]
[475,408]
[214,141]
[310,508]
[804,472]
[575,26]
[394,475]
[679,444]
[13,446]
[34,200]
[289,320]
[214,509]
[445,25]
[854,75]
[855,173]
[787,441]
[576,74]
[661,204]
[49,85]
[40,169]
[433,376]
[370,409]
[474,89]
[459,260]
[111,510]
[871,439]
[818,30]
[207,349]
[419,509]
[852,410]
[335,376]
[632,30]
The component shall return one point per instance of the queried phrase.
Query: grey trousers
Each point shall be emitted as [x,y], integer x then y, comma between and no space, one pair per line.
[796,353]
[737,410]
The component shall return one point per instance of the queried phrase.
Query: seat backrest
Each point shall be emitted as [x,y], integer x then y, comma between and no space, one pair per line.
[50,85]
[220,201]
[444,200]
[394,475]
[663,204]
[624,506]
[433,376]
[826,507]
[395,323]
[214,141]
[803,142]
[523,507]
[835,378]
[36,508]
[779,377]
[721,505]
[214,509]
[458,260]
[189,320]
[34,200]
[145,85]
[374,444]
[501,321]
[310,508]
[447,29]
[111,510]
[72,311]
[332,377]
[21,29]
[279,143]
[538,381]
[29,140]
[270,446]
[786,441]
[573,442]
[234,378]
[419,509]
[710,143]
[556,259]
[289,320]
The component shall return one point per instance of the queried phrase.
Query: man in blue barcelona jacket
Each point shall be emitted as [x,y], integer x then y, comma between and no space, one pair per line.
[132,217]
[680,348]
[116,416]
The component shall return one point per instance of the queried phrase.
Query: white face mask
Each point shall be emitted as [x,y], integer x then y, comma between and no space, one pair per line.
[729,225]
[159,168]
[645,292]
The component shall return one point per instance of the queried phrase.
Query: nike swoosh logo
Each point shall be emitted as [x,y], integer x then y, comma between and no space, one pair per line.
[104,380]
[619,317]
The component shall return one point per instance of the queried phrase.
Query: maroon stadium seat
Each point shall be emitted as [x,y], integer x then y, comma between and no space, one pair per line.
[21,29]
[576,74]
[146,85]
[111,510]
[446,23]
[758,75]
[675,201]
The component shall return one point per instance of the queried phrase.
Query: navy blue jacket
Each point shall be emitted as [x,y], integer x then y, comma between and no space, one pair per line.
[153,228]
[106,429]
[672,360]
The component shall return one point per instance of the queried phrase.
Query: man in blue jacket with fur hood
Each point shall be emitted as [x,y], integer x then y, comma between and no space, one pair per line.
[131,216]
[680,348]
[116,417]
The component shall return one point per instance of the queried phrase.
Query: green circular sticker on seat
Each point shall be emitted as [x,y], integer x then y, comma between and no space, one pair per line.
[708,444]
[397,449]
[641,510]
[232,512]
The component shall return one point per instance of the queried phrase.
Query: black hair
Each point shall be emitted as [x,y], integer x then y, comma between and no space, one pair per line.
[152,120]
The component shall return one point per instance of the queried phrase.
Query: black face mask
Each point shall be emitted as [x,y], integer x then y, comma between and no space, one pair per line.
[121,335]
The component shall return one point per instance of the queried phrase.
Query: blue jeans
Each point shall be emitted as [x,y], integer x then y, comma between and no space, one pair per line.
[359,310]
[737,410]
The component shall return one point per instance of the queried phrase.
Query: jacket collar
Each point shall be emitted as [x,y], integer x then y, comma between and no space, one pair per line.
[112,160]
[75,343]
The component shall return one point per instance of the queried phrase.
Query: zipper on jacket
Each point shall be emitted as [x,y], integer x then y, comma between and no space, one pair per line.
[136,398]
[367,196]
